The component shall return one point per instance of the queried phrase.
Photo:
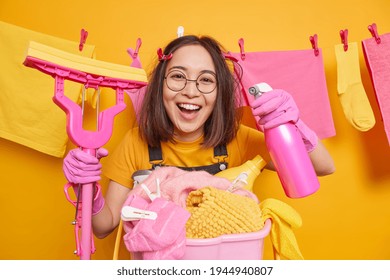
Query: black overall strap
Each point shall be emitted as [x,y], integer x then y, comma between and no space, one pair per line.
[220,151]
[156,159]
[155,154]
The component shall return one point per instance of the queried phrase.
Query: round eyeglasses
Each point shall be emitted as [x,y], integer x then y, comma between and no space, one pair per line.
[177,81]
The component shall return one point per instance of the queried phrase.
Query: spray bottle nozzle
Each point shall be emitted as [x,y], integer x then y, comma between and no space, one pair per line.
[254,91]
[259,89]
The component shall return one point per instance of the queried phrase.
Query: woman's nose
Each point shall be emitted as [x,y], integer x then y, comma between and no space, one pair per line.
[191,89]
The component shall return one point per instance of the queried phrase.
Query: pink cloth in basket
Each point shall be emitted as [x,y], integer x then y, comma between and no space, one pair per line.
[378,62]
[176,184]
[298,72]
[161,239]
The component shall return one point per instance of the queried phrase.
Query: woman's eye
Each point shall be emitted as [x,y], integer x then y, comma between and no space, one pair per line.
[177,76]
[206,80]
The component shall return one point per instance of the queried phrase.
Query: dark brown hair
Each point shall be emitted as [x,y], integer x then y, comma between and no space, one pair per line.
[220,128]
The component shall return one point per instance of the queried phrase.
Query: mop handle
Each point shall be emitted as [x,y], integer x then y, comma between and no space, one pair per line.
[86,217]
[89,141]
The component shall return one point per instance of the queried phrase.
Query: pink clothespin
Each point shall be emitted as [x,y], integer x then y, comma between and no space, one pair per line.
[229,56]
[314,44]
[83,38]
[374,33]
[162,56]
[134,54]
[344,38]
[242,51]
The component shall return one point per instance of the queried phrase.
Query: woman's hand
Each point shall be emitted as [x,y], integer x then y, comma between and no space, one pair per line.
[274,108]
[81,168]
[277,107]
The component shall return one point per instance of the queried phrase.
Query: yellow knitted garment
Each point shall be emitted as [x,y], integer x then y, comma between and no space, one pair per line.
[216,212]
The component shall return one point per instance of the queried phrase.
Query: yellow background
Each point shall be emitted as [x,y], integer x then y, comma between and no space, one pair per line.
[348,218]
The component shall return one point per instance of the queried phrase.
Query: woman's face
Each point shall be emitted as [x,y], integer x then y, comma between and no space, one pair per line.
[189,108]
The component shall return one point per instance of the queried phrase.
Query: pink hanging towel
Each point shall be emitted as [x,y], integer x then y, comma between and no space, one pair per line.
[299,72]
[137,97]
[378,63]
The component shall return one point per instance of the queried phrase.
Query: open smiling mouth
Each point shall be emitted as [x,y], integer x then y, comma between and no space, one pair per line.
[188,107]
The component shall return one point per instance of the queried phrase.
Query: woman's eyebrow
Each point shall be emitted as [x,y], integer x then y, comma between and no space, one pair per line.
[208,71]
[177,67]
[185,69]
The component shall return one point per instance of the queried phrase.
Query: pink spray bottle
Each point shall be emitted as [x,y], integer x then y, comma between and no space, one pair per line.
[289,155]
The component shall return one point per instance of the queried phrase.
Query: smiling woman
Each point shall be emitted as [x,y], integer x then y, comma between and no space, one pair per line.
[189,105]
[187,118]
[332,218]
[191,56]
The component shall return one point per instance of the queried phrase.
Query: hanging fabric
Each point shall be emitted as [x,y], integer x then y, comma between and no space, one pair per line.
[299,72]
[28,115]
[352,96]
[136,95]
[377,54]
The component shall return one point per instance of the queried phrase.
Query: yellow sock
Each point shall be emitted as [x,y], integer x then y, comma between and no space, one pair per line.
[352,95]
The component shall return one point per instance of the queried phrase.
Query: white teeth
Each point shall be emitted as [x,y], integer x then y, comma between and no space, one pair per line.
[189,106]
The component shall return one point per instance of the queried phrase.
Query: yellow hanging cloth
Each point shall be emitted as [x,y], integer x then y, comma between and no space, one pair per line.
[352,96]
[28,116]
[284,220]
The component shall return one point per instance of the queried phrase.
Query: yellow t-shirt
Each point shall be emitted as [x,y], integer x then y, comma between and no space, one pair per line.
[132,154]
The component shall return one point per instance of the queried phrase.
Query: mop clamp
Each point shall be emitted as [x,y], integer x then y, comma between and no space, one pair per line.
[59,65]
[92,74]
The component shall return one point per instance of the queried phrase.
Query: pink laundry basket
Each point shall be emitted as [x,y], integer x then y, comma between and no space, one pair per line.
[243,246]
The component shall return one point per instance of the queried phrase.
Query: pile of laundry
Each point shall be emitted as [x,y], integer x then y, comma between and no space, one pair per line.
[171,205]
